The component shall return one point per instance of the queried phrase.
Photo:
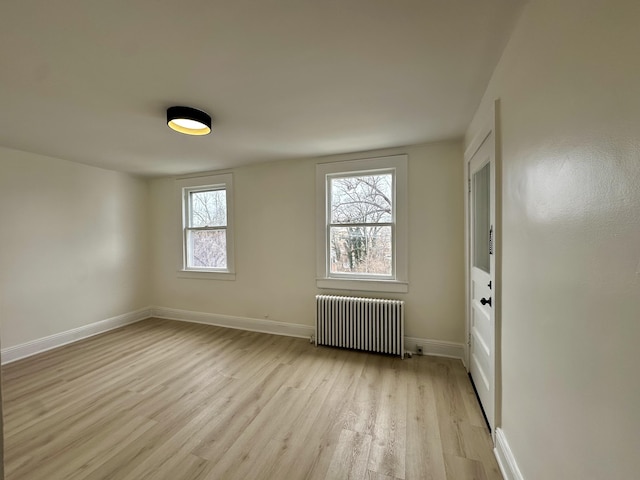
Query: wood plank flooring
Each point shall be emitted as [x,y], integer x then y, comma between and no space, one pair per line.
[168,400]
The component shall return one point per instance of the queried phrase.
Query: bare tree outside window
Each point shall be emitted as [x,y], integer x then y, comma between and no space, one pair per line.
[361,224]
[207,229]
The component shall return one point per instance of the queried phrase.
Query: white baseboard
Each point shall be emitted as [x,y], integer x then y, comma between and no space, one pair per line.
[241,323]
[436,348]
[430,347]
[17,352]
[506,460]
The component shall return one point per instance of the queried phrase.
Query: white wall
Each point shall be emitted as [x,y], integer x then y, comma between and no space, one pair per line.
[275,244]
[73,245]
[569,85]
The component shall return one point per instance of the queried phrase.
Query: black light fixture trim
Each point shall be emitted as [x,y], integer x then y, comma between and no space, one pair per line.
[188,120]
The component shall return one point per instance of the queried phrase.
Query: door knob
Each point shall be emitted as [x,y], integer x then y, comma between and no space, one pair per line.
[485,301]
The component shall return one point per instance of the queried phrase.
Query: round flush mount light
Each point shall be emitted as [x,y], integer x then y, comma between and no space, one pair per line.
[189,121]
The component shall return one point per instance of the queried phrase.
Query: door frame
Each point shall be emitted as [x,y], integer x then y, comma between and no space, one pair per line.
[489,125]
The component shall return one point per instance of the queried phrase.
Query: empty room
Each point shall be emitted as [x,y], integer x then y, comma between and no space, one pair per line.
[300,239]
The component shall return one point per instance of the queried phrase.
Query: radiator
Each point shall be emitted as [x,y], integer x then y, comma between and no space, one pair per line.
[360,323]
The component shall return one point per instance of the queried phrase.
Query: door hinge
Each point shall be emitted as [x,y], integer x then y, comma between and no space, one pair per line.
[469,184]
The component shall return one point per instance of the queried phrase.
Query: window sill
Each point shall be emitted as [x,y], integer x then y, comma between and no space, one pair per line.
[205,275]
[391,286]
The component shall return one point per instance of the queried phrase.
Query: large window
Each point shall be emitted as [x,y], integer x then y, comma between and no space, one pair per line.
[362,224]
[207,234]
[361,209]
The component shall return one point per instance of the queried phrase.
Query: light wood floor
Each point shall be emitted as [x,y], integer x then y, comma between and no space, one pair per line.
[168,400]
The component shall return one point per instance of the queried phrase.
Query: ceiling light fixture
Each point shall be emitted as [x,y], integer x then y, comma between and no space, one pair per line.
[189,121]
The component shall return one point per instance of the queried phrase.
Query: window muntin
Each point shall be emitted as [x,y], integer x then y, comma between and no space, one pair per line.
[361,224]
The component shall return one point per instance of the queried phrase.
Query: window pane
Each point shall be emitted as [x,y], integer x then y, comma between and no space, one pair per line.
[481,199]
[361,250]
[208,209]
[207,249]
[362,199]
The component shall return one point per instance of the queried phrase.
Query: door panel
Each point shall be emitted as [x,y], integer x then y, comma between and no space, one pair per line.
[482,277]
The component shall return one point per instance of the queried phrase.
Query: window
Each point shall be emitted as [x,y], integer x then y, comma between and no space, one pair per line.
[362,225]
[207,234]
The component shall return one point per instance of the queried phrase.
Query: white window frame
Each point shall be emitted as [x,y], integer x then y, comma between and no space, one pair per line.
[398,281]
[184,187]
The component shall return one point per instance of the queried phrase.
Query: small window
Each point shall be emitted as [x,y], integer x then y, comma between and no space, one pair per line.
[207,236]
[362,224]
[206,228]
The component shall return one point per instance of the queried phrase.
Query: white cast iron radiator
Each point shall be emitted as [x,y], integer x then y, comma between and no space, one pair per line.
[360,323]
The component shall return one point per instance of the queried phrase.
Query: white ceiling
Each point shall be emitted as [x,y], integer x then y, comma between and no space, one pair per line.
[90,80]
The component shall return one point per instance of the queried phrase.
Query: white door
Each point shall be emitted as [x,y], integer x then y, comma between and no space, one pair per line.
[482,275]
